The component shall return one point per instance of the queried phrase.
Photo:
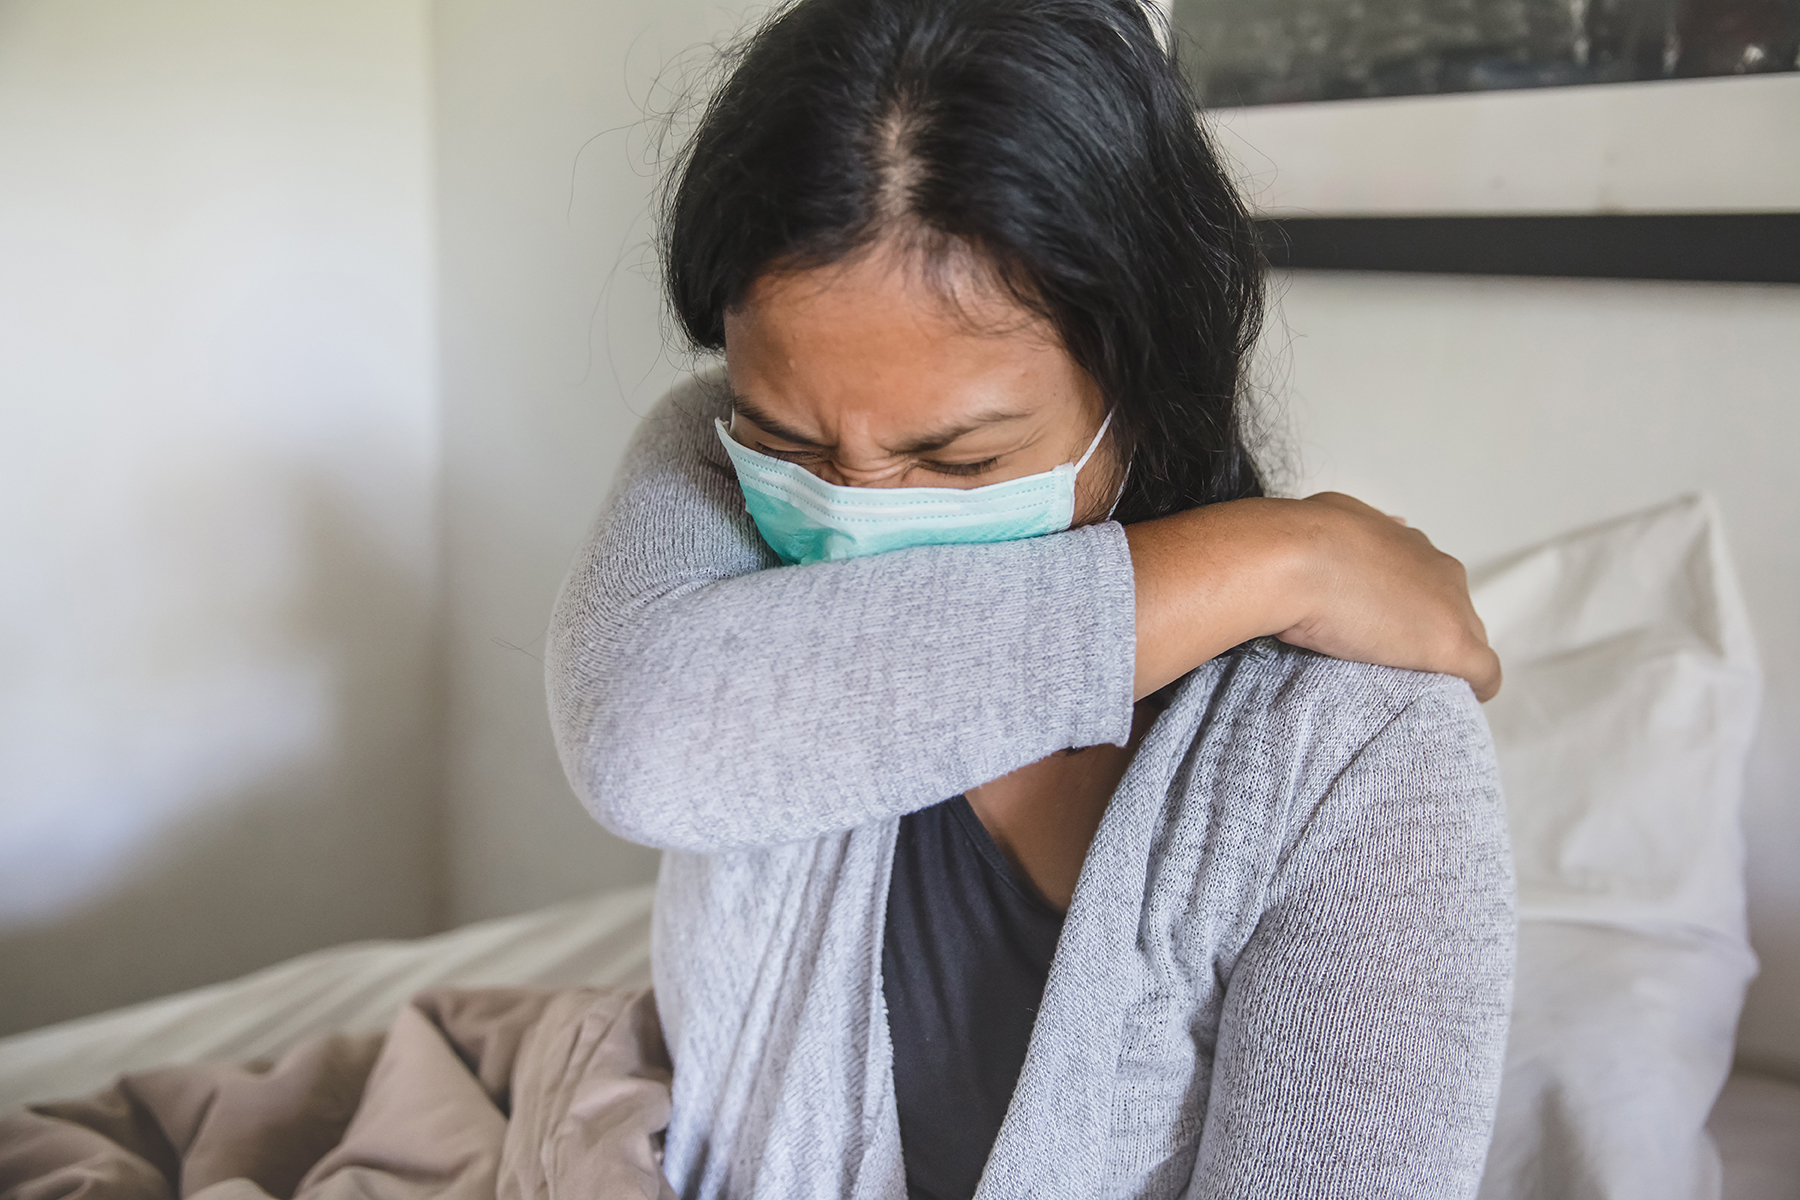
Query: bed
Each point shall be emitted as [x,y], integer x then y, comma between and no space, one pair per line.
[1632,693]
[600,941]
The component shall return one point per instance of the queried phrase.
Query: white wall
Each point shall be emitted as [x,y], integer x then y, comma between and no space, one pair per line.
[1496,412]
[217,453]
[552,345]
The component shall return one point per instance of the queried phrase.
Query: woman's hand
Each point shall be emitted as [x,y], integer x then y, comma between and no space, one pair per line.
[1328,573]
[1382,593]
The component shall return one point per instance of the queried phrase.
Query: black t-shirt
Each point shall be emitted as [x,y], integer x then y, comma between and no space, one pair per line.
[963,965]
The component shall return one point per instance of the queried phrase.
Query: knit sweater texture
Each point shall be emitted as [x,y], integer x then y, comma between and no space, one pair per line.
[1287,967]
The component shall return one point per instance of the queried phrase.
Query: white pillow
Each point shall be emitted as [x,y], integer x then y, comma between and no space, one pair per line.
[1630,700]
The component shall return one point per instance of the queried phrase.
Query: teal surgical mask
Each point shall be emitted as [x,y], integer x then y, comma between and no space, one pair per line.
[804,519]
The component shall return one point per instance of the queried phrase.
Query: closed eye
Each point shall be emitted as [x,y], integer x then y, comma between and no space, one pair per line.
[954,470]
[793,456]
[962,470]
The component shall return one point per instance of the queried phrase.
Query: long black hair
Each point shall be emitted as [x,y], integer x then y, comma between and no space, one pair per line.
[1056,140]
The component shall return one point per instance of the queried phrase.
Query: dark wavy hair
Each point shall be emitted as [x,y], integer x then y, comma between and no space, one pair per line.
[1055,140]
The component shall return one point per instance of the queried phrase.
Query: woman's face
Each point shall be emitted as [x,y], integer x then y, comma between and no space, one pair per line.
[864,374]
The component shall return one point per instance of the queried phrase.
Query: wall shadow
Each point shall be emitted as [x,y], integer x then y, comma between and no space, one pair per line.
[338,840]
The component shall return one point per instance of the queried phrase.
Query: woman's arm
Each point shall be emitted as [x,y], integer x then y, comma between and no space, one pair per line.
[1360,1048]
[1328,573]
[704,701]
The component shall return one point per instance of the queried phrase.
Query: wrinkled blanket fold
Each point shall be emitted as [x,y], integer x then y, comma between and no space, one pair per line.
[511,1093]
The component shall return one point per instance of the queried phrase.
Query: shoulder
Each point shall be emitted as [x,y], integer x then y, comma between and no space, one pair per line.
[1341,788]
[1303,729]
[1293,682]
[1335,709]
[697,397]
[680,422]
[1304,775]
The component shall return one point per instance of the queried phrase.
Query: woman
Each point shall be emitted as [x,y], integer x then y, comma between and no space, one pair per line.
[985,299]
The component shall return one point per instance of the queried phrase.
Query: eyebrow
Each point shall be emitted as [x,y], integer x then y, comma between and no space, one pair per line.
[924,444]
[770,424]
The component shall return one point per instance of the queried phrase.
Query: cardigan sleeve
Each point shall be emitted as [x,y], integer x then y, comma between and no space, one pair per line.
[1360,1046]
[704,698]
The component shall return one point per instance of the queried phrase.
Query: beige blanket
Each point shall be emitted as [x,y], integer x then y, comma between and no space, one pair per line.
[470,1095]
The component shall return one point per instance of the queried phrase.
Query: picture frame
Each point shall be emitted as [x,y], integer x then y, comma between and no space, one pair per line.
[1694,179]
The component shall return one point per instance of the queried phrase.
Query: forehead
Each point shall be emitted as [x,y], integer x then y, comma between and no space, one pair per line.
[877,342]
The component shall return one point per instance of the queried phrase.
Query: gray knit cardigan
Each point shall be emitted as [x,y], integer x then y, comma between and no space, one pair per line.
[1287,967]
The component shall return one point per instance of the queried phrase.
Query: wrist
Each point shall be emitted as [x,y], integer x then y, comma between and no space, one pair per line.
[1295,546]
[1214,577]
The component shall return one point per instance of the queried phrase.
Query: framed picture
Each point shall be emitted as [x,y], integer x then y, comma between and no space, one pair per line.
[1518,137]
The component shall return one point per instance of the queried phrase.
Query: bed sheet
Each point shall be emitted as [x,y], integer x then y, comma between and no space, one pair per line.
[597,941]
[357,988]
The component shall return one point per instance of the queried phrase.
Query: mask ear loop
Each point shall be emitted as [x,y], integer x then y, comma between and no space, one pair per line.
[1095,445]
[1121,495]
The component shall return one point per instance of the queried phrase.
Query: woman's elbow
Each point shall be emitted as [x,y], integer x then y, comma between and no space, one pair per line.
[608,757]
[622,794]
